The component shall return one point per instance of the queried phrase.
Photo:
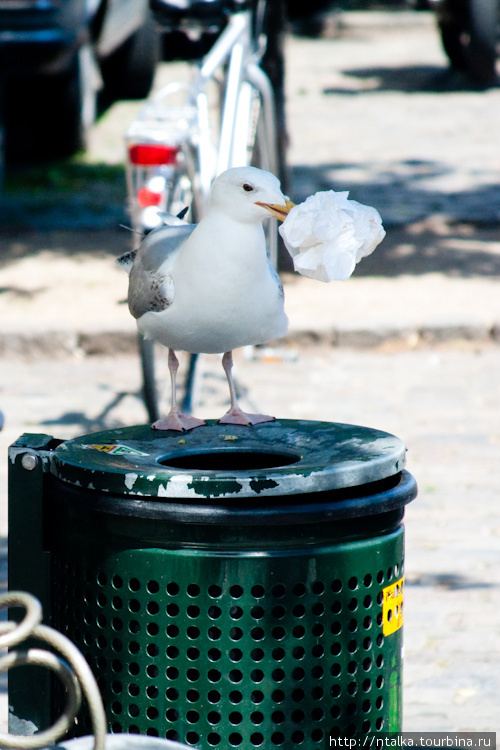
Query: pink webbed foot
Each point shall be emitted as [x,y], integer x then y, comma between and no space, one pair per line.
[177,421]
[237,416]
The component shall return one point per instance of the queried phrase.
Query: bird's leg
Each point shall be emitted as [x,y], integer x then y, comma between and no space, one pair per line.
[235,415]
[174,419]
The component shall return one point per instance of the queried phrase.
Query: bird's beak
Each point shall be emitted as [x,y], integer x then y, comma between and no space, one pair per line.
[279,212]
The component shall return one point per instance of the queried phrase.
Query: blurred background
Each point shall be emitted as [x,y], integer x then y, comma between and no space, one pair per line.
[397,103]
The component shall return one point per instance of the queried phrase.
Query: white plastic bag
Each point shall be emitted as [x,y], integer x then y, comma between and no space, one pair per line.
[328,234]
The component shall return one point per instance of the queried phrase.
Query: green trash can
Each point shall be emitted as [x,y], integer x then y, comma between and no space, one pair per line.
[230,587]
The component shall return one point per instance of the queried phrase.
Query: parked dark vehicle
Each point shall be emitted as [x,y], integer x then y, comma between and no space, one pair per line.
[470,33]
[58,56]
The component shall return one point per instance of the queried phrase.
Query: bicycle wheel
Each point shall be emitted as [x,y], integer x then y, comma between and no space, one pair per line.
[264,155]
[129,72]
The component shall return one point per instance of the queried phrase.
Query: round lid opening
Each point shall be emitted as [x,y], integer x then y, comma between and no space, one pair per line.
[229,459]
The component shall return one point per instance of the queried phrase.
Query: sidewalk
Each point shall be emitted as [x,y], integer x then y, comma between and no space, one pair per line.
[56,304]
[375,111]
[372,109]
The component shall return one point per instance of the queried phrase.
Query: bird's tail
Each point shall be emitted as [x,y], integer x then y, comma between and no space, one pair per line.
[126,260]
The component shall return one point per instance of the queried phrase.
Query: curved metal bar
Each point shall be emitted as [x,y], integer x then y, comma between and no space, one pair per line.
[41,658]
[79,671]
[12,636]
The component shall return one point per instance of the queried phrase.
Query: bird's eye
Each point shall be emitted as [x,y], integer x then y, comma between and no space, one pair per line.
[248,187]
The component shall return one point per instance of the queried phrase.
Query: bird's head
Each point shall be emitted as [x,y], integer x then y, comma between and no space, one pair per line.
[249,195]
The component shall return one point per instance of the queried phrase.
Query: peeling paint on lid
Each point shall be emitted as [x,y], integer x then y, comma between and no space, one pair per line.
[130,480]
[286,457]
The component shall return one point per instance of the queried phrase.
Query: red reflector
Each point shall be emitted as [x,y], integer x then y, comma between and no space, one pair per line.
[152,154]
[146,197]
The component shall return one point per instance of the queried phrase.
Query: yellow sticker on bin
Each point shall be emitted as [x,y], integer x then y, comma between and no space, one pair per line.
[392,607]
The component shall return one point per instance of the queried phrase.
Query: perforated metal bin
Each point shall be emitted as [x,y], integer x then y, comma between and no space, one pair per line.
[230,587]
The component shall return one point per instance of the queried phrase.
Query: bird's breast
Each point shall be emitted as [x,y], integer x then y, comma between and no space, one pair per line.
[226,296]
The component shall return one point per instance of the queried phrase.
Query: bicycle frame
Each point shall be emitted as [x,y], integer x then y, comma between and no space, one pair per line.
[234,46]
[197,148]
[175,151]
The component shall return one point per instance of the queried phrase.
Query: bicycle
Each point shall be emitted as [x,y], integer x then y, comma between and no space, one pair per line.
[229,114]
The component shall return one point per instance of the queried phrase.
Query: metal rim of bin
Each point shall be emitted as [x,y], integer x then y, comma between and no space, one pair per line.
[270,460]
[297,486]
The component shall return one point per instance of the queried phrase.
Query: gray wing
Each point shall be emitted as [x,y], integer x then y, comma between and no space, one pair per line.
[275,275]
[151,289]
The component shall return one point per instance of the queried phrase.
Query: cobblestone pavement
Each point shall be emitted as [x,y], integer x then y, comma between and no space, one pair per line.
[372,108]
[442,402]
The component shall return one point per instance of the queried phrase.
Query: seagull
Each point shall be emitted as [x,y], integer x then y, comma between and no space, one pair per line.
[210,287]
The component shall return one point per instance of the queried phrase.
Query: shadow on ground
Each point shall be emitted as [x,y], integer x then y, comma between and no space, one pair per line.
[410,79]
[428,230]
[65,195]
[102,421]
[403,191]
[459,251]
[448,581]
[72,209]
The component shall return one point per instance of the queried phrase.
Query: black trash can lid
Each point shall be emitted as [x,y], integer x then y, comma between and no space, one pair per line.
[285,457]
